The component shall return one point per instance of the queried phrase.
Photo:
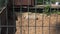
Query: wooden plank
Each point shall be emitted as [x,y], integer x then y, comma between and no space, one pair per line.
[43,6]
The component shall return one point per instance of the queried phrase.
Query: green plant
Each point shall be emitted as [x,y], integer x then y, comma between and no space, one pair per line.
[58,12]
[46,10]
[53,11]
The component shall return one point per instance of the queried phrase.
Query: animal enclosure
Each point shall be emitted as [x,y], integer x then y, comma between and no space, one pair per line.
[29,17]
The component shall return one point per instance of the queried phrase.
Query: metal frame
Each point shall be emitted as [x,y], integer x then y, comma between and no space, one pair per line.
[28,26]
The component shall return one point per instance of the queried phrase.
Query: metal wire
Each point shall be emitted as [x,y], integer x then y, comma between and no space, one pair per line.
[0,25]
[57,20]
[43,19]
[6,1]
[29,26]
[28,17]
[35,15]
[21,18]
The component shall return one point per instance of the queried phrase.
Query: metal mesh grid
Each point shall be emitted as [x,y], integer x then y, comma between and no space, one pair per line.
[26,26]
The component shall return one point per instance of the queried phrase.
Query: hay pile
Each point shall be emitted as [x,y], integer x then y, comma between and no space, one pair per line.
[39,19]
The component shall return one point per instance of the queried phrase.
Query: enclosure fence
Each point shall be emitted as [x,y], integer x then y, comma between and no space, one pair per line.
[32,17]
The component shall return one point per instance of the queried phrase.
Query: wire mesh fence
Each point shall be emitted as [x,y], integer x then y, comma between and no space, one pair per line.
[30,17]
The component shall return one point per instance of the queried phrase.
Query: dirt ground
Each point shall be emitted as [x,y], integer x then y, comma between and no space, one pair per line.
[37,23]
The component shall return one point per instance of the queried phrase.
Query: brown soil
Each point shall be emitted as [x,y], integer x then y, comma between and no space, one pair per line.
[48,23]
